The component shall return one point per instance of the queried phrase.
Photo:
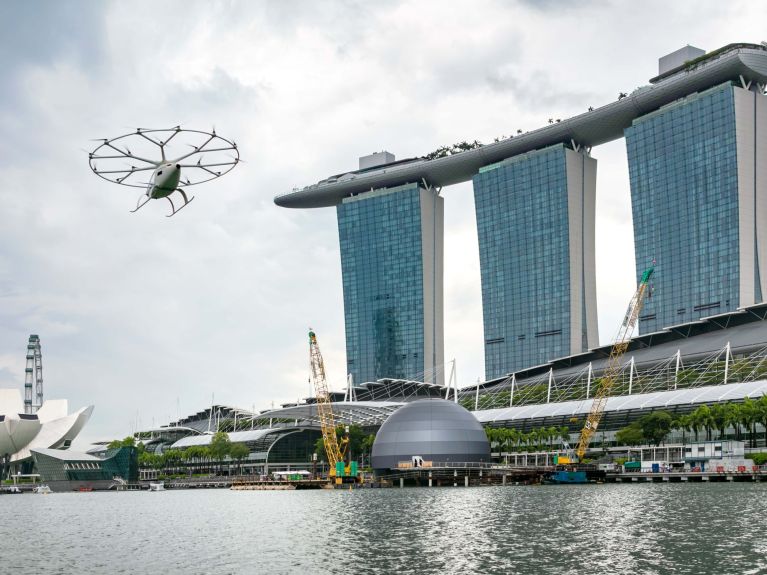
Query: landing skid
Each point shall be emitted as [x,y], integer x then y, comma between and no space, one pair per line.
[187,201]
[141,204]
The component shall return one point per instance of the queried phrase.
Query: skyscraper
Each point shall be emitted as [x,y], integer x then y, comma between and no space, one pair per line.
[391,260]
[699,201]
[535,223]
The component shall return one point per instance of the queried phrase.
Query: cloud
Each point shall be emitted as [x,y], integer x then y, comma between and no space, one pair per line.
[138,312]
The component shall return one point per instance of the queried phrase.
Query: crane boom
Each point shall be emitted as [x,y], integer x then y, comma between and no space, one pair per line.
[324,408]
[613,367]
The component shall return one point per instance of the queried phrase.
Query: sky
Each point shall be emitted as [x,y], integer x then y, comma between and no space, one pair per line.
[148,318]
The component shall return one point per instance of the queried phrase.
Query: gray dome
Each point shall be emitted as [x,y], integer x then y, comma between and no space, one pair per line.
[435,429]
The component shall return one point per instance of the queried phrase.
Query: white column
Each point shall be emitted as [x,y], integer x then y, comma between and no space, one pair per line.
[678,361]
[631,375]
[588,382]
[455,383]
[513,382]
[548,392]
[727,363]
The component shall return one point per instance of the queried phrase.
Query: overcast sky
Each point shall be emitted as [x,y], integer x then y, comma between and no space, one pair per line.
[145,317]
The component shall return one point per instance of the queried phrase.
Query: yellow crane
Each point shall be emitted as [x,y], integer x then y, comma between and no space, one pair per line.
[613,367]
[334,451]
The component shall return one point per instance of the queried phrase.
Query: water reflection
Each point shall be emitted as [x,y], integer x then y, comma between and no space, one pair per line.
[673,528]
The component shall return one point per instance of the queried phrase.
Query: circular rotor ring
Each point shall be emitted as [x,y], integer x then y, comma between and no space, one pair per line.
[116,150]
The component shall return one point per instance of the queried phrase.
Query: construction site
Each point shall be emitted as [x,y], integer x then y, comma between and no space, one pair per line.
[559,423]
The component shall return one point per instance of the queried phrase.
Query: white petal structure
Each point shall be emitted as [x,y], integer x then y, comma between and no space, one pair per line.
[51,427]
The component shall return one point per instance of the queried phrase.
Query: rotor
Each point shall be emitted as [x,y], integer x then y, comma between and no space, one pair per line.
[201,155]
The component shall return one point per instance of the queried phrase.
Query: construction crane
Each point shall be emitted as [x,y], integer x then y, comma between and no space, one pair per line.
[334,451]
[613,367]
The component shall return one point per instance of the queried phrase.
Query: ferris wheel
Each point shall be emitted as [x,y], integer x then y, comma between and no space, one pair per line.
[132,160]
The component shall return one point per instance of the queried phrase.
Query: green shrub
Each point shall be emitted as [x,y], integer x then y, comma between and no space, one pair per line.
[758,458]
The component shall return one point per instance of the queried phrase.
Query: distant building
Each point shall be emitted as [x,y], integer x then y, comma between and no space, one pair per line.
[699,200]
[50,427]
[391,260]
[678,57]
[535,223]
[696,148]
[72,471]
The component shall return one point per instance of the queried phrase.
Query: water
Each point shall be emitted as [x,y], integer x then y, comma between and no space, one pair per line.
[673,528]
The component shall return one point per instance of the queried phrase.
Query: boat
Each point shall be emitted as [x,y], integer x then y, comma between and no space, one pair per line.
[43,489]
[160,486]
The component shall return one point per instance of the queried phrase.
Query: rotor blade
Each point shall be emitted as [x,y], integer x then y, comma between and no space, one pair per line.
[196,150]
[127,172]
[129,155]
[199,165]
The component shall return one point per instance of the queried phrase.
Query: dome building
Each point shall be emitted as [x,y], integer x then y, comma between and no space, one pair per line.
[429,430]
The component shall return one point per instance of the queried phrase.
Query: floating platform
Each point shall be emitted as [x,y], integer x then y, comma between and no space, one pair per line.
[566,477]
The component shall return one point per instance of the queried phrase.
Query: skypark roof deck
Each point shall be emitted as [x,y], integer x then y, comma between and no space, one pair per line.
[742,63]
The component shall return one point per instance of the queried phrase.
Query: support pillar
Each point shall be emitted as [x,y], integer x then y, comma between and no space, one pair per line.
[551,378]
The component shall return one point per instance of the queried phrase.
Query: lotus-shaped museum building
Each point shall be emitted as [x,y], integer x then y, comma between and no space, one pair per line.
[50,427]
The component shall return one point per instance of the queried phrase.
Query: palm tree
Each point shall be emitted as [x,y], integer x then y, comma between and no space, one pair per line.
[761,414]
[705,420]
[748,418]
[721,418]
[683,423]
[733,415]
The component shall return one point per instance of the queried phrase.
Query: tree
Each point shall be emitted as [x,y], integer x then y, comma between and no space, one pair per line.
[319,448]
[220,446]
[117,443]
[761,414]
[656,426]
[630,435]
[683,423]
[171,458]
[748,416]
[721,418]
[238,452]
[702,418]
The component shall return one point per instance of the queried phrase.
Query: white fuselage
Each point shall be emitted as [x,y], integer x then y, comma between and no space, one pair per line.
[165,180]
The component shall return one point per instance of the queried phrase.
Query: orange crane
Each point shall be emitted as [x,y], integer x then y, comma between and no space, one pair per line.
[613,367]
[334,451]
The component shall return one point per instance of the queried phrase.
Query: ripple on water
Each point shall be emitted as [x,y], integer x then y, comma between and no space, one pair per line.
[669,528]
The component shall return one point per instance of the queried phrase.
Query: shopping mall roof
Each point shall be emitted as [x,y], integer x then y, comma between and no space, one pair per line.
[644,401]
[734,62]
[347,412]
[745,330]
[234,437]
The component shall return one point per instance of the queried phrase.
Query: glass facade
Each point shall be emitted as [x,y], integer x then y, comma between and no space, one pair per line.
[535,228]
[692,203]
[66,466]
[391,260]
